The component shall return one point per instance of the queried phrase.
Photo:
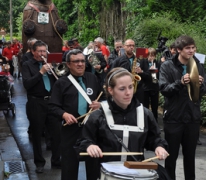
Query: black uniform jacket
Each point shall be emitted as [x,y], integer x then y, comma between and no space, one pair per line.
[33,81]
[96,131]
[64,96]
[148,85]
[112,57]
[178,106]
[123,61]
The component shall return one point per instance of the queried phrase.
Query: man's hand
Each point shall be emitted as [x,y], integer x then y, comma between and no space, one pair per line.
[185,79]
[201,80]
[94,151]
[45,68]
[95,105]
[161,153]
[69,118]
[139,70]
[97,67]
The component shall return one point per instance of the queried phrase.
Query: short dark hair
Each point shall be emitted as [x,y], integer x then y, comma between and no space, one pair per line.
[172,46]
[183,41]
[37,44]
[72,52]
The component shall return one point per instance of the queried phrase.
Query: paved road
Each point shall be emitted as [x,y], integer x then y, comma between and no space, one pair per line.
[19,125]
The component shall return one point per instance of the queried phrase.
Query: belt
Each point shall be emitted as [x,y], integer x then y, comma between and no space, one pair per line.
[42,98]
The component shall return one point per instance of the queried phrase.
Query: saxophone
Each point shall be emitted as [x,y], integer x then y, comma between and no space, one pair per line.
[136,77]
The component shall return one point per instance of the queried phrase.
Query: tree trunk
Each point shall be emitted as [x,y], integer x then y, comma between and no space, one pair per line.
[113,21]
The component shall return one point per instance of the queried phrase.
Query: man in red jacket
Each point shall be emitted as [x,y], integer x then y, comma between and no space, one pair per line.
[8,52]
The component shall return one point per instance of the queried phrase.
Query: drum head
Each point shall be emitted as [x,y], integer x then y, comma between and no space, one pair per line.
[116,170]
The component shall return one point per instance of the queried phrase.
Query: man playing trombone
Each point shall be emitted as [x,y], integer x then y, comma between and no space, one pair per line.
[72,97]
[38,84]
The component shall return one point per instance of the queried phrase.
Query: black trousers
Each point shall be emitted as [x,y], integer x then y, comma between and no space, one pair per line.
[69,157]
[153,98]
[37,114]
[54,128]
[11,67]
[185,135]
[140,94]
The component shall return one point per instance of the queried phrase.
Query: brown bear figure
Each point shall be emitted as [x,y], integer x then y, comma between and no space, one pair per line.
[41,21]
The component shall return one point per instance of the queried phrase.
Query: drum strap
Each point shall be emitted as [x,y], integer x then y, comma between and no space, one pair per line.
[79,88]
[125,128]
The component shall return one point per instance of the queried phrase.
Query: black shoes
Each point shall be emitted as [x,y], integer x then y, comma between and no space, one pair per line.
[39,169]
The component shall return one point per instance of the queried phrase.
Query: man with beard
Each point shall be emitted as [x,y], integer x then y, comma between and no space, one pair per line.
[126,61]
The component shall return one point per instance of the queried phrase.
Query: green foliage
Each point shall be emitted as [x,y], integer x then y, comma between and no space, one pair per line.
[17,7]
[19,22]
[146,32]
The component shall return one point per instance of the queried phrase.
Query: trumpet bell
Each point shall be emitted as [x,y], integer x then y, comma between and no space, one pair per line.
[193,87]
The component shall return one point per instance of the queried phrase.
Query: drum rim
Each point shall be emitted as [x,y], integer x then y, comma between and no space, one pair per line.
[129,177]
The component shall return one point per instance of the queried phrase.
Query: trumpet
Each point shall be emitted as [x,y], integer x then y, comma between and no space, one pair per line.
[49,67]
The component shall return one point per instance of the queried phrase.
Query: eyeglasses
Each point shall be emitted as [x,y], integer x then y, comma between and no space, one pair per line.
[119,47]
[130,45]
[41,51]
[78,61]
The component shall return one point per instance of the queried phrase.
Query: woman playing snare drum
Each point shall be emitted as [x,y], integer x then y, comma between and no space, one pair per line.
[104,128]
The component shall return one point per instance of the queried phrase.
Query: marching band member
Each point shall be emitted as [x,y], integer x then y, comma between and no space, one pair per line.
[121,108]
[126,61]
[181,115]
[67,104]
[117,46]
[38,84]
[151,86]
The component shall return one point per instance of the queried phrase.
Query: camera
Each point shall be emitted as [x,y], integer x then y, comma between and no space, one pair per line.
[162,48]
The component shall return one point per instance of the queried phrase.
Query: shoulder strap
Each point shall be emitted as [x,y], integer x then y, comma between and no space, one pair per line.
[79,88]
[125,128]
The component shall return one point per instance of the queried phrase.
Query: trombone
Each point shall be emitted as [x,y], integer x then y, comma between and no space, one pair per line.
[49,67]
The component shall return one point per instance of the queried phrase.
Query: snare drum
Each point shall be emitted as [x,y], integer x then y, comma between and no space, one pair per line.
[117,170]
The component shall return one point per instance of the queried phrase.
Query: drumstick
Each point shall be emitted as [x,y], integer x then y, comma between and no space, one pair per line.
[82,116]
[114,153]
[150,159]
[91,108]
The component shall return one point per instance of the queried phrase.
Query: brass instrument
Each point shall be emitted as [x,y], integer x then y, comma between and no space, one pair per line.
[93,60]
[49,67]
[61,69]
[193,87]
[136,77]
